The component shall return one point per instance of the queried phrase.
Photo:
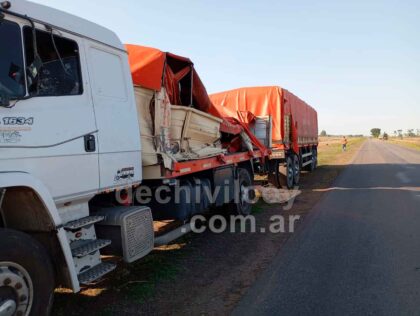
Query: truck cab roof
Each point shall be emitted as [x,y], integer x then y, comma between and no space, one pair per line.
[66,22]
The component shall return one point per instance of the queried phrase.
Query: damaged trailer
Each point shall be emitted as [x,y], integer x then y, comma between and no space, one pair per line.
[182,143]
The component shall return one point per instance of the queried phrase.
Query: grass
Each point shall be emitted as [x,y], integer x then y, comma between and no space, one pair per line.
[141,291]
[136,283]
[160,270]
[330,150]
[411,142]
[257,208]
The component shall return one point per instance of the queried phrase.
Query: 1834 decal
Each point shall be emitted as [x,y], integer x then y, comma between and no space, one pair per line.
[18,120]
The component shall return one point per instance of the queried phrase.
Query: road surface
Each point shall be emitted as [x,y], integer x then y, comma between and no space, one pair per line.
[358,252]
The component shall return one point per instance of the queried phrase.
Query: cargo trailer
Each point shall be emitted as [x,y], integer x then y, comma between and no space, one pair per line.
[281,121]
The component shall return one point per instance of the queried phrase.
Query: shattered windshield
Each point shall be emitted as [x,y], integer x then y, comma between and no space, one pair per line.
[59,74]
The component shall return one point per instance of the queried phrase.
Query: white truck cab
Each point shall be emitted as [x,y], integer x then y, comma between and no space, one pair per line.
[68,131]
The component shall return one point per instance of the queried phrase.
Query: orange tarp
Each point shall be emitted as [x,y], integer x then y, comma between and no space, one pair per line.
[260,101]
[154,69]
[146,65]
[271,101]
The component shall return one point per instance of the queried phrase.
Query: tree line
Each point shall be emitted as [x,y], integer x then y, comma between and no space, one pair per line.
[376,132]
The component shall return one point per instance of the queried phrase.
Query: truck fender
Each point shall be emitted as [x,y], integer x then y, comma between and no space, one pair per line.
[23,179]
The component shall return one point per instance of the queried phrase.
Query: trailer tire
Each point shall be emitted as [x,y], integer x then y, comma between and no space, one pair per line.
[286,174]
[273,173]
[312,166]
[315,158]
[26,275]
[246,193]
[296,169]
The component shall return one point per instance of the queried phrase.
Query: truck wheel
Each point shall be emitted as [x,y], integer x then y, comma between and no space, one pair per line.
[246,193]
[296,169]
[26,275]
[286,174]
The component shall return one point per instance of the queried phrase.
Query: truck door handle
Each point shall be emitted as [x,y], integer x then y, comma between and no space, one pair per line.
[90,143]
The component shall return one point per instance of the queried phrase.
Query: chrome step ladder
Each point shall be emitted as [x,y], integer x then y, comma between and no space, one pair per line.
[85,248]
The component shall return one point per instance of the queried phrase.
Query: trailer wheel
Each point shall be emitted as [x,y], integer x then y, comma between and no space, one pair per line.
[246,193]
[312,166]
[286,174]
[26,275]
[296,169]
[273,173]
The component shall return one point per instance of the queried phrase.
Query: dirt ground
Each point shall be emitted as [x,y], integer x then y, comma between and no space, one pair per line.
[204,274]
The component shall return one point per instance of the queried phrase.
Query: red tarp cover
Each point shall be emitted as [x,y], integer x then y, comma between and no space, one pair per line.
[152,68]
[264,101]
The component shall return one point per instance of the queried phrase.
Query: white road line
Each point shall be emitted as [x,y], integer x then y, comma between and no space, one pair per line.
[409,167]
[413,189]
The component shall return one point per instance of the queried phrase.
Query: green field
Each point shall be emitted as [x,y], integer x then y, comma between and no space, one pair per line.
[410,142]
[330,150]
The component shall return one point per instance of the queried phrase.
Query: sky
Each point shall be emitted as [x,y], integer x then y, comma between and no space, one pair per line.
[356,62]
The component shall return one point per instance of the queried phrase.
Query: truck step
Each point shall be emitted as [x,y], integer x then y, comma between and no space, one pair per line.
[96,272]
[85,221]
[82,248]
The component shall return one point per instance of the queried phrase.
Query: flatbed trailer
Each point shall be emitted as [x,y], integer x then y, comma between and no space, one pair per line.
[193,166]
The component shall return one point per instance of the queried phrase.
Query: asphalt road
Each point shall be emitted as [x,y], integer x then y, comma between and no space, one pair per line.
[358,252]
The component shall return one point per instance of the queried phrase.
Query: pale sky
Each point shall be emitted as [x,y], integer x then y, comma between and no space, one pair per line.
[356,62]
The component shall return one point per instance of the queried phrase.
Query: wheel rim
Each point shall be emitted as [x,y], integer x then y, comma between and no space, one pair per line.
[16,290]
[246,194]
[243,193]
[290,174]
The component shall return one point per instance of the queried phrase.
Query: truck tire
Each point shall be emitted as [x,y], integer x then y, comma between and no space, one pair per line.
[246,194]
[26,275]
[286,174]
[296,170]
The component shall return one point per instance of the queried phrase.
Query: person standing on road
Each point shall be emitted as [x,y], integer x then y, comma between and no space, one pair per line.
[344,143]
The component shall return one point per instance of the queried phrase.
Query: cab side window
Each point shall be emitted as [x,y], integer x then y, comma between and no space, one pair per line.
[12,77]
[59,74]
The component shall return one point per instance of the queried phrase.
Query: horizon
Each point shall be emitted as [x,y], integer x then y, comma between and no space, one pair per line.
[355,63]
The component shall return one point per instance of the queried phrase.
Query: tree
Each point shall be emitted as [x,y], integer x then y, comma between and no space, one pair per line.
[375,132]
[400,133]
[323,133]
[410,133]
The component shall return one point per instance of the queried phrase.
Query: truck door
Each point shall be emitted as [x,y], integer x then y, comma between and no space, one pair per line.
[52,132]
[116,116]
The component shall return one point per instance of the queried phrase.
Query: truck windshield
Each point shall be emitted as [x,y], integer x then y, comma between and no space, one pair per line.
[12,77]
